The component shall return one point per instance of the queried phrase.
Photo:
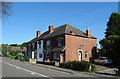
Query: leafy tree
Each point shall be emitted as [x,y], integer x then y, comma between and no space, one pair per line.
[24,44]
[5,49]
[14,53]
[14,45]
[110,45]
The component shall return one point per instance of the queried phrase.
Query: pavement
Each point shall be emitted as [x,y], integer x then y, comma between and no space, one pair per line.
[16,69]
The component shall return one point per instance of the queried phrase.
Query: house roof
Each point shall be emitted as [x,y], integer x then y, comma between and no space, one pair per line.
[40,37]
[18,49]
[64,29]
[67,29]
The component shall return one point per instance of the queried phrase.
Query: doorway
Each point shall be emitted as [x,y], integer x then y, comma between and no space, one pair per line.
[80,54]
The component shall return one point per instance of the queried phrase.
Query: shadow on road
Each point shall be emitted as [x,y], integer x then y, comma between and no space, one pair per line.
[102,73]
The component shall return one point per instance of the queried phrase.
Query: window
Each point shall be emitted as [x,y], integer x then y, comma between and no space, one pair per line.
[29,46]
[60,43]
[86,55]
[40,55]
[83,42]
[56,55]
[33,45]
[39,43]
[47,43]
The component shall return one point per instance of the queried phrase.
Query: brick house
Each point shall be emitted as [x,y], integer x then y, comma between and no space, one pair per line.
[67,43]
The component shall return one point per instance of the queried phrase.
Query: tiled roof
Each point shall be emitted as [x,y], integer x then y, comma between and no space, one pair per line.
[67,29]
[40,37]
[64,29]
[16,49]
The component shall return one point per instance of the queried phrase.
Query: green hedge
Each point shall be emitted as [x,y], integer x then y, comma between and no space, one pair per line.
[78,66]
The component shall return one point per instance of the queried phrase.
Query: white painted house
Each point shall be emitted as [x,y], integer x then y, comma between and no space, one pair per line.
[40,53]
[35,48]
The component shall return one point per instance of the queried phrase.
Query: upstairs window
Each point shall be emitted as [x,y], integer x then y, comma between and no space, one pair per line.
[48,43]
[86,55]
[83,42]
[29,46]
[33,45]
[60,43]
[39,43]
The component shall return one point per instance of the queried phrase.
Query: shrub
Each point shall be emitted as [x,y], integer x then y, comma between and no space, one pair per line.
[78,65]
[25,58]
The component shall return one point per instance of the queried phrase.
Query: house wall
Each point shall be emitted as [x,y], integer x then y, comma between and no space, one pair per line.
[53,44]
[74,43]
[40,50]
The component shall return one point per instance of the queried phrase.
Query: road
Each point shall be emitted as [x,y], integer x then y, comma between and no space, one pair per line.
[14,69]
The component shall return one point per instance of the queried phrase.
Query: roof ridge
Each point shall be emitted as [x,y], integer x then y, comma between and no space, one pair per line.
[66,27]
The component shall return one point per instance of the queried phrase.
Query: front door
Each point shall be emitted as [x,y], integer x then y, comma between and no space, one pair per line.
[80,55]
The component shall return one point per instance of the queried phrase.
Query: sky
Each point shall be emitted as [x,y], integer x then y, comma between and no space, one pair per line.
[28,17]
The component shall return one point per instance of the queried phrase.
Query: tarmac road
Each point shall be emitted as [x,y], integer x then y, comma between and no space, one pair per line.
[12,69]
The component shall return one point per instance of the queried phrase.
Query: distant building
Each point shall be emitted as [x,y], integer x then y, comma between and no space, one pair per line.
[23,51]
[62,44]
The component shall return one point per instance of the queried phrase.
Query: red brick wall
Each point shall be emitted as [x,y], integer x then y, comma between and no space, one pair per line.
[73,43]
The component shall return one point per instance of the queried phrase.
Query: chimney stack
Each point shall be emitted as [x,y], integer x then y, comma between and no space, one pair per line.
[51,28]
[38,33]
[87,32]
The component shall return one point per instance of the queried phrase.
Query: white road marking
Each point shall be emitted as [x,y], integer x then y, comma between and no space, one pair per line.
[32,72]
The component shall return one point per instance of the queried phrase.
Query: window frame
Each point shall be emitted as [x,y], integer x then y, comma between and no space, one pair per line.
[48,43]
[40,55]
[83,43]
[60,43]
[86,55]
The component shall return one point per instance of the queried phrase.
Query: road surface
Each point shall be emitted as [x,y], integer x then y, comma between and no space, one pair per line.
[14,68]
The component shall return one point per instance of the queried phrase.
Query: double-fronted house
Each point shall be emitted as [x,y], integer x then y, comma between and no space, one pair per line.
[62,44]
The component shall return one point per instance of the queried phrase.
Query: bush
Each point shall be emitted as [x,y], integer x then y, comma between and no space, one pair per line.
[25,58]
[78,65]
[118,72]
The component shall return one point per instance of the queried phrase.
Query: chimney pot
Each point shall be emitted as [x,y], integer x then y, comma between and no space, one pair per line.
[51,28]
[38,33]
[87,32]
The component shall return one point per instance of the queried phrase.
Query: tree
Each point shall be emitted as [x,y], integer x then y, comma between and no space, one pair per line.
[24,45]
[110,45]
[5,9]
[5,49]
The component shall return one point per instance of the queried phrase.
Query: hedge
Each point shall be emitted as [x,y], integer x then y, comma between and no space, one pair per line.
[78,65]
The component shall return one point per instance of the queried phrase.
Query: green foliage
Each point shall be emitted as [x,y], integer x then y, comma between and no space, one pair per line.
[110,44]
[78,65]
[5,49]
[14,53]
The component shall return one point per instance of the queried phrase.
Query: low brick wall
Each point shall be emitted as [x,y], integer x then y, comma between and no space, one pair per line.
[32,60]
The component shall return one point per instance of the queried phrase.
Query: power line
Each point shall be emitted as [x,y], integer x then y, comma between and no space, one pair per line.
[82,12]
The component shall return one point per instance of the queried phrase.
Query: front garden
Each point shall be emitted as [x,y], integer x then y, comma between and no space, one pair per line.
[79,66]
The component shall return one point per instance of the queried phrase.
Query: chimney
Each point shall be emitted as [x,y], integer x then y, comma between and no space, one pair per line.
[51,28]
[38,33]
[87,32]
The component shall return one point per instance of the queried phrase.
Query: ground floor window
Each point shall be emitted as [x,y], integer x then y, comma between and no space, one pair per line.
[40,55]
[86,55]
[56,55]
